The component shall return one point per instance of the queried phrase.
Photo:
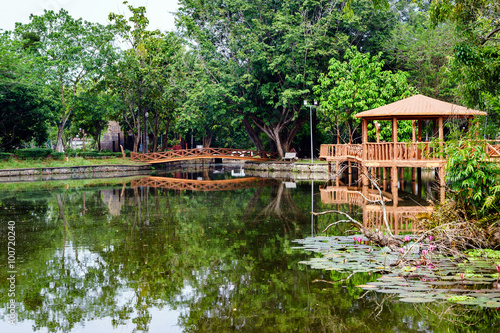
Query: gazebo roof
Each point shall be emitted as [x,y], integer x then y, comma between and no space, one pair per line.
[419,107]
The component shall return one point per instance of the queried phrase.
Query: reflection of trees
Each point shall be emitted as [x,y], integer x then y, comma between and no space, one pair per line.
[240,276]
[279,206]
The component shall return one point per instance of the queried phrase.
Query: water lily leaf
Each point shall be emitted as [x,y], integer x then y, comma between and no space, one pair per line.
[367,286]
[416,300]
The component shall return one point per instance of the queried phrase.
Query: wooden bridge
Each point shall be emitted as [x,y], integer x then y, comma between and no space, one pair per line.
[203,153]
[201,185]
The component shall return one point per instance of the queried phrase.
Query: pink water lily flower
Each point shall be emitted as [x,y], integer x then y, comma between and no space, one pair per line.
[432,247]
[431,238]
[407,238]
[424,253]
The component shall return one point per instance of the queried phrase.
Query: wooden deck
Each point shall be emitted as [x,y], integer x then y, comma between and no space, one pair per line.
[203,153]
[388,154]
[201,185]
[385,154]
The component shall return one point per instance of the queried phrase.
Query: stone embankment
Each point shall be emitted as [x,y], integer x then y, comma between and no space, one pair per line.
[73,172]
[289,170]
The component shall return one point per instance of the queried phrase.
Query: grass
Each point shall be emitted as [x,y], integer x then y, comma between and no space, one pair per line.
[15,163]
[65,184]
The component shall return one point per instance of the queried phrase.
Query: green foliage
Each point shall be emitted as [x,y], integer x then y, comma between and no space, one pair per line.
[97,154]
[473,177]
[69,53]
[423,50]
[58,155]
[6,156]
[475,66]
[354,84]
[29,153]
[23,102]
[487,253]
[146,76]
[263,58]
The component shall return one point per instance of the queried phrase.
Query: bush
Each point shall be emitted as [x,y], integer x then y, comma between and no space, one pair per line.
[97,154]
[5,156]
[474,178]
[29,153]
[58,156]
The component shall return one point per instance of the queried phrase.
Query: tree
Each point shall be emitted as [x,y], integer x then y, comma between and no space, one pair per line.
[475,66]
[422,49]
[356,84]
[69,52]
[145,76]
[23,103]
[93,109]
[267,55]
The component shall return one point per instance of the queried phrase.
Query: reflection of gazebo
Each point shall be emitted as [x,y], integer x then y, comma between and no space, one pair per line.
[399,218]
[416,154]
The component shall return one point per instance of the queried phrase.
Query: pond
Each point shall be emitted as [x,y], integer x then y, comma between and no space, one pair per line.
[201,251]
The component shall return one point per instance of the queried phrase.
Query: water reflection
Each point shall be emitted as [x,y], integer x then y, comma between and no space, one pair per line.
[141,258]
[399,217]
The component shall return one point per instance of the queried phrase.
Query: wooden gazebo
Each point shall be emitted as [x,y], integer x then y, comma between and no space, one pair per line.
[415,154]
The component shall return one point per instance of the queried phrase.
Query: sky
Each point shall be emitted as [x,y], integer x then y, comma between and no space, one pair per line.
[157,11]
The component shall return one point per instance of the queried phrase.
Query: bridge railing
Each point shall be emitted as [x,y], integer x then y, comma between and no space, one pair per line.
[204,153]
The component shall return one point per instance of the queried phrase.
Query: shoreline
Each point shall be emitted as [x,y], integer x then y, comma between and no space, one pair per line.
[274,169]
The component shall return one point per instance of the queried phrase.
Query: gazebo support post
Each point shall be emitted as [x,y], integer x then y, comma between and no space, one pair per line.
[394,185]
[337,168]
[394,136]
[349,173]
[364,131]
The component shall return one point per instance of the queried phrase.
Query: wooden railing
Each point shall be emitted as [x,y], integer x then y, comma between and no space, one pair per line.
[353,151]
[384,151]
[186,154]
[493,148]
[380,151]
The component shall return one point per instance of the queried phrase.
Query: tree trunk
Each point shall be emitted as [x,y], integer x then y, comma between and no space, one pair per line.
[60,130]
[207,140]
[136,142]
[98,139]
[253,136]
[165,140]
[155,134]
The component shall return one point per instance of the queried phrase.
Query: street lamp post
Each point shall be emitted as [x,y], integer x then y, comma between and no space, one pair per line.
[311,106]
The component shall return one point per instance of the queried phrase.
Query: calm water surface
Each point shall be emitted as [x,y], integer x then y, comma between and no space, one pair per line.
[156,255]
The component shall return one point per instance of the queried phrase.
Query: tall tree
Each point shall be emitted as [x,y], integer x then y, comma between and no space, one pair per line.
[69,53]
[422,49]
[268,54]
[24,103]
[145,76]
[476,62]
[354,84]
